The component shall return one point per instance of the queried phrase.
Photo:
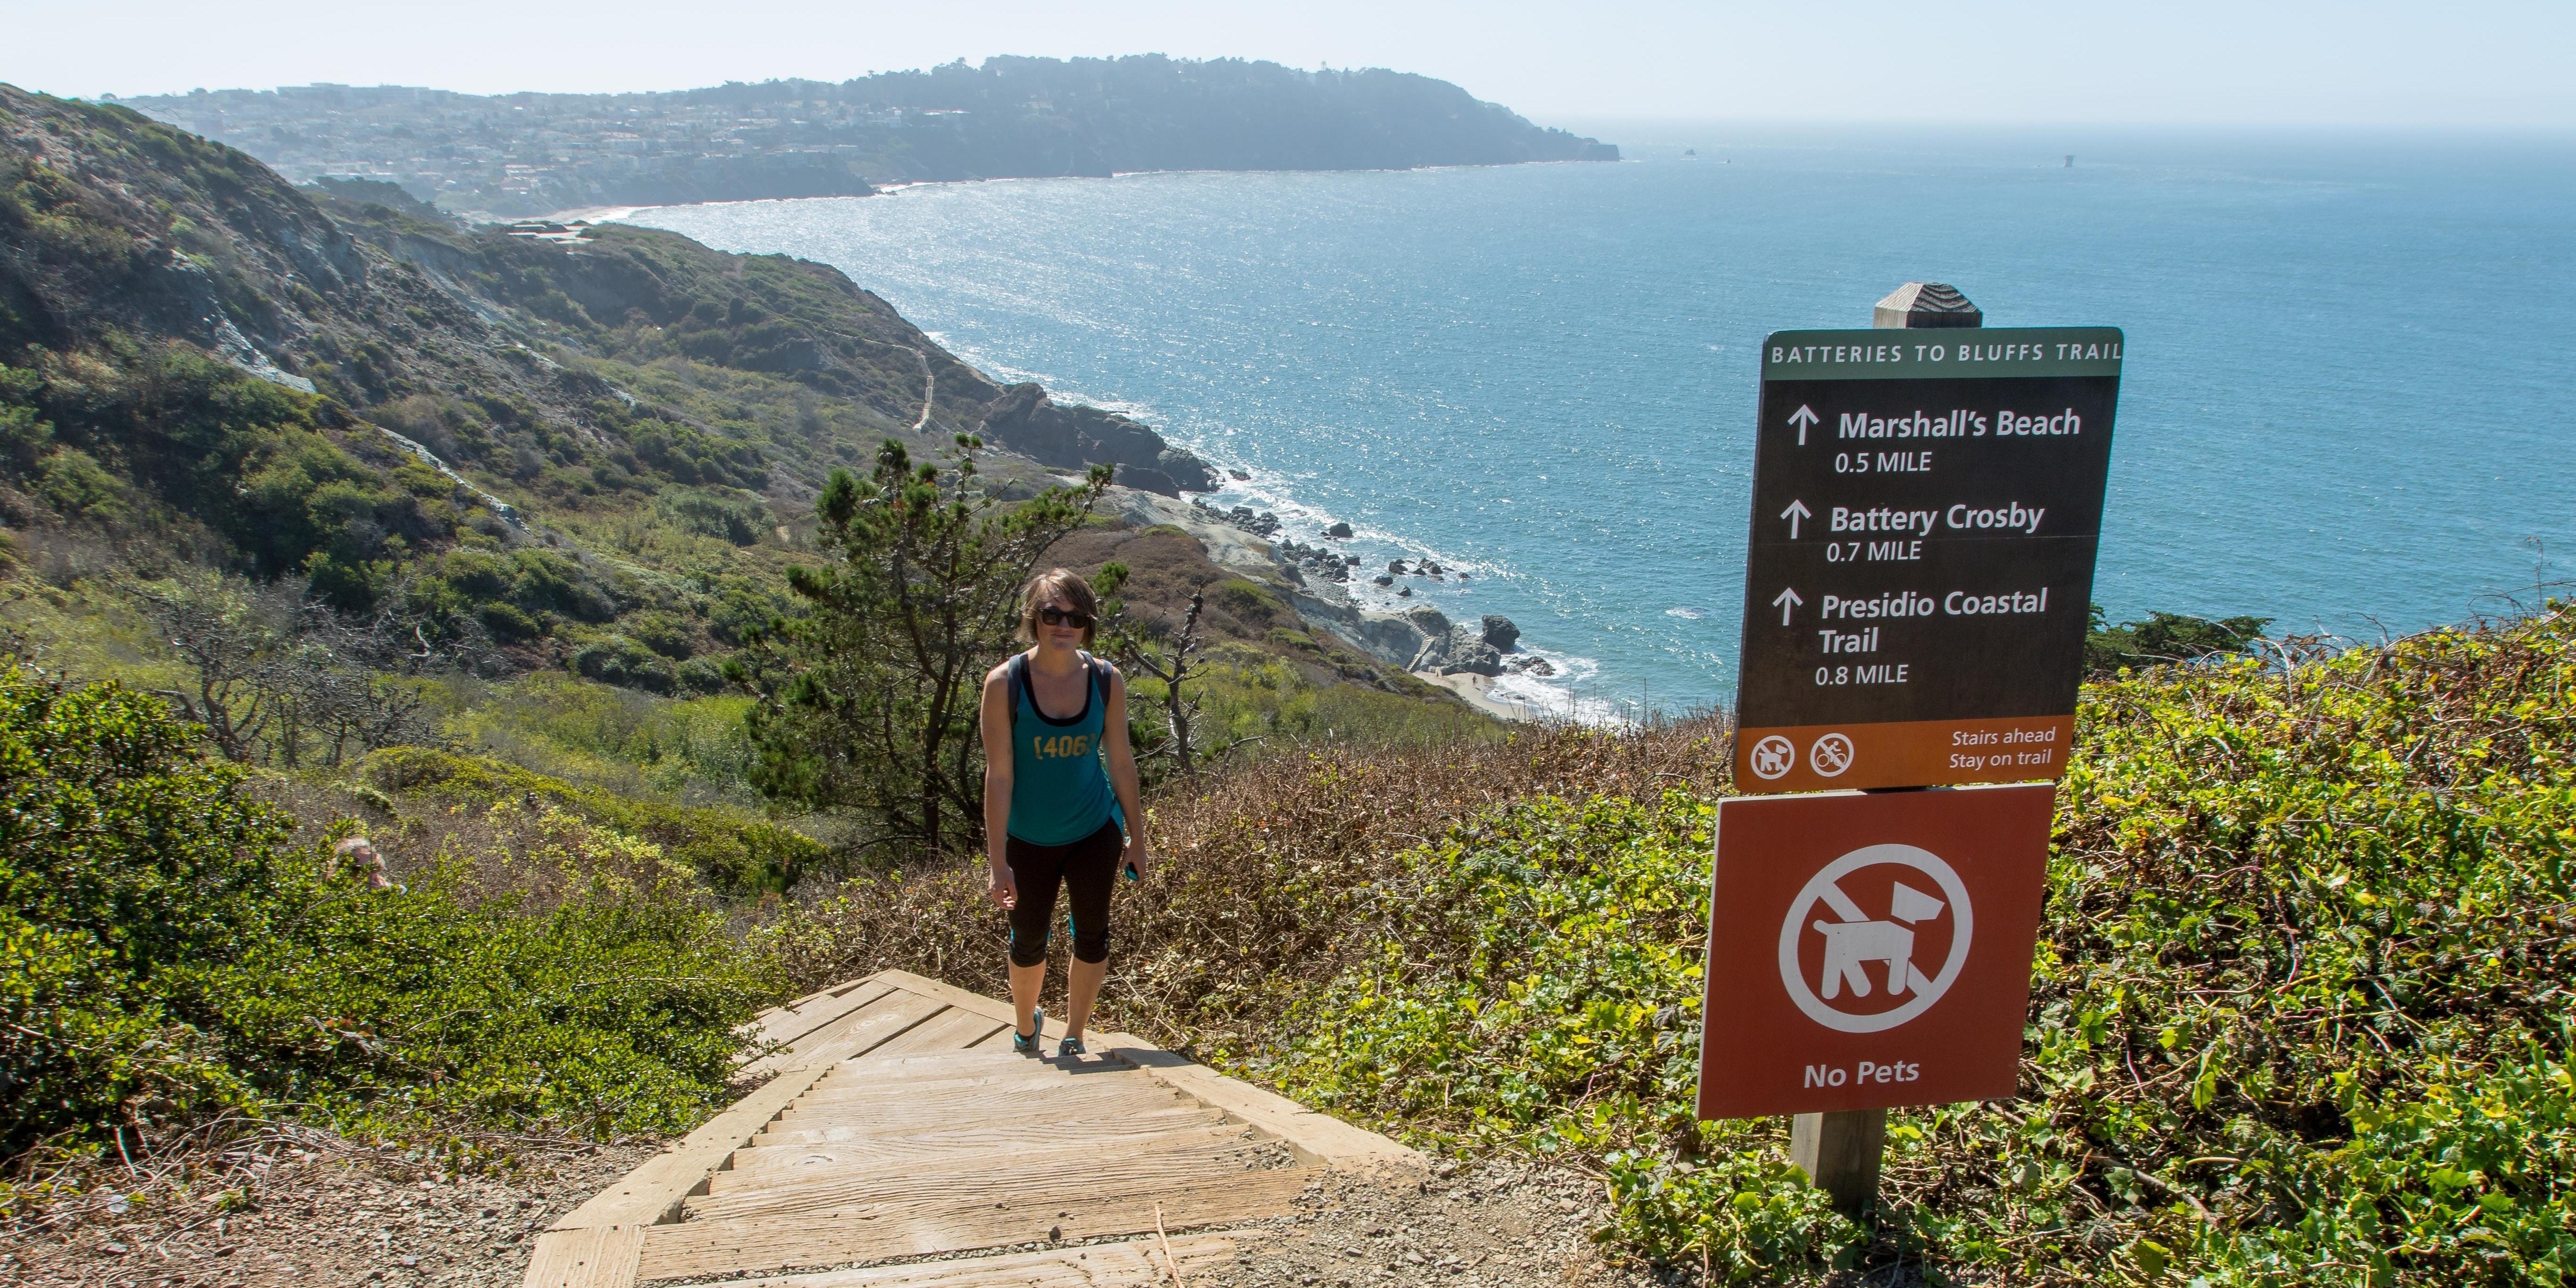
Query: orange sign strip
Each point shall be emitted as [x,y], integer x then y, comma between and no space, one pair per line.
[1908,753]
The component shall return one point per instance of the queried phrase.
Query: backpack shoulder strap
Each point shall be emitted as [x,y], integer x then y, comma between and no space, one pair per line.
[1016,672]
[1099,667]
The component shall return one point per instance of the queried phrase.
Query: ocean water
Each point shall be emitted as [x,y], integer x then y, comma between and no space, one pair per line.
[2345,404]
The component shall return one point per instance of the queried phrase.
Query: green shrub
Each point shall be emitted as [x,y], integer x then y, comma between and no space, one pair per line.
[2300,1011]
[618,660]
[164,952]
[732,853]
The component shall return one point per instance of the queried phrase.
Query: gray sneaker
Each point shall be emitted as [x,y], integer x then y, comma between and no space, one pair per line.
[1027,1043]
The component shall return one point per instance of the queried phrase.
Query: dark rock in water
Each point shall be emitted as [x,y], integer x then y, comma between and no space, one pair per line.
[1381,580]
[1500,632]
[1404,592]
[1342,530]
[1527,665]
[1475,657]
[1239,474]
[1395,565]
[1026,421]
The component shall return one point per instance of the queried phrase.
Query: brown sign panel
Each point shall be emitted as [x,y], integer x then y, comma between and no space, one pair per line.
[1871,950]
[1926,506]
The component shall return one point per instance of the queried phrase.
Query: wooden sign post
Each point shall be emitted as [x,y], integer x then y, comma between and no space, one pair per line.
[1918,581]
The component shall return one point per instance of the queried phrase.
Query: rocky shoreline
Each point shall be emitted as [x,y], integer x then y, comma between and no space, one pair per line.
[1462,656]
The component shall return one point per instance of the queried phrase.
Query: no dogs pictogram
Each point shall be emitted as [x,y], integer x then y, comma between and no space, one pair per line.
[1826,960]
[1773,756]
[1870,949]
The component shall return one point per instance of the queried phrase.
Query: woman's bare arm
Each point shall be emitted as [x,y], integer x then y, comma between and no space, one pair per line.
[996,723]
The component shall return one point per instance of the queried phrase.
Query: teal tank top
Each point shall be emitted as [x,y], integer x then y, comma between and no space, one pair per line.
[1059,789]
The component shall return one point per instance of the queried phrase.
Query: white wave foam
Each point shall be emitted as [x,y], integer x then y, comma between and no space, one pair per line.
[1561,696]
[1686,613]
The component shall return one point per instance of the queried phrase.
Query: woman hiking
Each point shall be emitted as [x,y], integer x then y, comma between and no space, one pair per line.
[1051,813]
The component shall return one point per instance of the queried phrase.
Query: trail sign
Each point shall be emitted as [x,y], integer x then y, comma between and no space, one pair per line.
[1868,950]
[1926,506]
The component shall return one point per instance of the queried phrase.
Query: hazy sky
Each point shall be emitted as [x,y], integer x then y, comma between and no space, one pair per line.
[2252,62]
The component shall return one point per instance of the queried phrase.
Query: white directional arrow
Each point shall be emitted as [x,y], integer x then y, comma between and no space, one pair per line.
[1785,601]
[1797,510]
[1803,417]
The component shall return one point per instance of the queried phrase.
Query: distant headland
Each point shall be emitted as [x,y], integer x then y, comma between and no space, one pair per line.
[525,154]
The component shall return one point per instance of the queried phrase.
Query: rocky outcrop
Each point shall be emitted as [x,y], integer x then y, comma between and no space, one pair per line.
[1026,421]
[1476,649]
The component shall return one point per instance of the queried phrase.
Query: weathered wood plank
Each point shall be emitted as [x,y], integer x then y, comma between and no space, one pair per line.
[791,1024]
[953,1030]
[752,1166]
[969,1137]
[994,1008]
[866,1078]
[1322,1137]
[933,1222]
[1134,1264]
[653,1191]
[1073,1170]
[602,1257]
[1011,1099]
[832,1036]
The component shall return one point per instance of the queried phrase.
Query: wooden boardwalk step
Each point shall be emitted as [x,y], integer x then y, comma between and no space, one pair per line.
[1173,1158]
[968,1136]
[1008,1102]
[1137,1263]
[935,1221]
[751,1166]
[896,1124]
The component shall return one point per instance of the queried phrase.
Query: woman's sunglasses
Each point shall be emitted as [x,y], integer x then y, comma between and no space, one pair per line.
[1065,617]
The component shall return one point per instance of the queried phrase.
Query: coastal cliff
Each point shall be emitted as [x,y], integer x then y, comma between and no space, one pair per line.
[526,154]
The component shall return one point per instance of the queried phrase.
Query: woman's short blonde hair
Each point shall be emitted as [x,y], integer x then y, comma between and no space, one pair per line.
[1064,582]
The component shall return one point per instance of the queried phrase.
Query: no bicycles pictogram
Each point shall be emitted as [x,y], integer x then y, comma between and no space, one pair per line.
[1830,756]
[1774,756]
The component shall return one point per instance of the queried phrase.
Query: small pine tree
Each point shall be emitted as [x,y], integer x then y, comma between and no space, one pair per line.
[867,701]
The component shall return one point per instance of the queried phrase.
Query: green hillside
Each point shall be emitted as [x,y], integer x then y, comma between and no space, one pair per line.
[597,452]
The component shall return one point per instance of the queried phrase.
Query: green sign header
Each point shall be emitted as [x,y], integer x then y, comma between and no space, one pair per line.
[1945,353]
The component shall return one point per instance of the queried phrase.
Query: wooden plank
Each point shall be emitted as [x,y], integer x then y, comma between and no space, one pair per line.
[1137,1263]
[825,1036]
[857,1081]
[653,1191]
[790,1025]
[970,1099]
[1321,1137]
[1033,1114]
[970,1136]
[963,1000]
[953,1030]
[932,1222]
[753,1166]
[1085,1169]
[602,1257]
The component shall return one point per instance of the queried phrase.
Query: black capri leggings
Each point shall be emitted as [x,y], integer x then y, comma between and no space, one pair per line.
[1088,867]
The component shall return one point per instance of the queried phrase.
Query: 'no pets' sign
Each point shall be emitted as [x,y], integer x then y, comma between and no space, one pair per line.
[1870,950]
